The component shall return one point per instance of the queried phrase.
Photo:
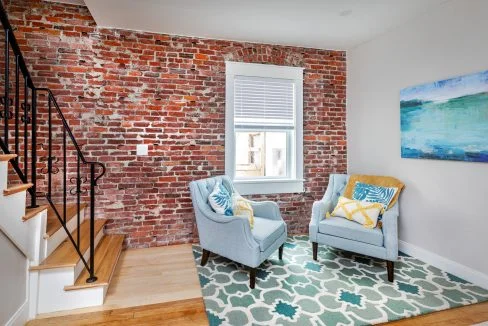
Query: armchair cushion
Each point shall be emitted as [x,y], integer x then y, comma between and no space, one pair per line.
[340,227]
[267,231]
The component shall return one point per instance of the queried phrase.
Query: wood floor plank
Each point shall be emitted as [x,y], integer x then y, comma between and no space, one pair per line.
[66,255]
[106,257]
[53,224]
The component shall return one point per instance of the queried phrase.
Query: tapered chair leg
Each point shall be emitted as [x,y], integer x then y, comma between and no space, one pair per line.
[390,268]
[205,255]
[280,251]
[315,249]
[252,278]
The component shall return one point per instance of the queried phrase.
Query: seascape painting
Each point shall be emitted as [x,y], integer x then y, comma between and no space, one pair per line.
[446,120]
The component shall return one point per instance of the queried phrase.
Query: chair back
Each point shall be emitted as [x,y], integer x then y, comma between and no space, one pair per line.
[204,187]
[336,187]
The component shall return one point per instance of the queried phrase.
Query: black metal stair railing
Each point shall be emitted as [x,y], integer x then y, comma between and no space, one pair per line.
[30,114]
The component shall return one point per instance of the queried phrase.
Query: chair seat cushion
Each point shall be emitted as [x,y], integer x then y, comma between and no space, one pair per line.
[267,231]
[340,227]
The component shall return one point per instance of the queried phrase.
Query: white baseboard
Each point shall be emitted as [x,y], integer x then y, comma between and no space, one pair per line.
[20,317]
[445,264]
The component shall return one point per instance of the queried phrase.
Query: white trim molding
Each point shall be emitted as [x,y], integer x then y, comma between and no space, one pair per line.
[445,264]
[293,183]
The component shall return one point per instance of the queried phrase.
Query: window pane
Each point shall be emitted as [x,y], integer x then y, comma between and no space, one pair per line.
[260,154]
[275,154]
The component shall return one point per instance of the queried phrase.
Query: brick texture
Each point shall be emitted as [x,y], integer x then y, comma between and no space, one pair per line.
[119,88]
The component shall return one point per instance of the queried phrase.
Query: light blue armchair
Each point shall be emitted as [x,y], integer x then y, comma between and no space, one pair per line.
[232,236]
[341,233]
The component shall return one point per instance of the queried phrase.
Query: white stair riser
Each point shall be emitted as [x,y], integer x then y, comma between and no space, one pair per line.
[3,175]
[51,243]
[52,296]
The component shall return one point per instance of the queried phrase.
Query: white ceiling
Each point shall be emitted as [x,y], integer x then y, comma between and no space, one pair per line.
[326,24]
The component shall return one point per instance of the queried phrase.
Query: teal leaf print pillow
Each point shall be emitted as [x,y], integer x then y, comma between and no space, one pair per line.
[374,194]
[221,200]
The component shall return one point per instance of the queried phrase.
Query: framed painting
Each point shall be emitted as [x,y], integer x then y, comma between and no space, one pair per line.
[446,120]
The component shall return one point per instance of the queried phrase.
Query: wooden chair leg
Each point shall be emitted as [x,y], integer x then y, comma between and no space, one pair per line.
[280,251]
[390,268]
[252,278]
[315,249]
[205,255]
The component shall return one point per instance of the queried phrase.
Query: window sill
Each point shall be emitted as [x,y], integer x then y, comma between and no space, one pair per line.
[270,186]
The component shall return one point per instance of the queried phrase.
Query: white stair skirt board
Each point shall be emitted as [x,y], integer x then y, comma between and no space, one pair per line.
[51,243]
[26,235]
[52,296]
[445,264]
[20,317]
[50,283]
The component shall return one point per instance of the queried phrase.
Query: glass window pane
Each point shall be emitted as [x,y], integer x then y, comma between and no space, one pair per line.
[249,154]
[275,154]
[261,154]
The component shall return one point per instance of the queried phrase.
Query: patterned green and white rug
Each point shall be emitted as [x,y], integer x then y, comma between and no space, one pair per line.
[340,289]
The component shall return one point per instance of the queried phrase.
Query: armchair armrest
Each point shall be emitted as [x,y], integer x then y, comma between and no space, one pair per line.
[319,209]
[390,232]
[266,209]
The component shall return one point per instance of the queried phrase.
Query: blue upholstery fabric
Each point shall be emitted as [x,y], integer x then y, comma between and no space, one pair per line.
[231,236]
[267,231]
[346,236]
[341,227]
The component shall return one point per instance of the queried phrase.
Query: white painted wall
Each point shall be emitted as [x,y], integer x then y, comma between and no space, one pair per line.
[13,280]
[444,204]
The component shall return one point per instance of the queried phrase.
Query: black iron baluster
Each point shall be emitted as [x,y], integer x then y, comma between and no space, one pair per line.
[34,149]
[78,191]
[50,150]
[6,101]
[26,122]
[92,277]
[17,106]
[64,175]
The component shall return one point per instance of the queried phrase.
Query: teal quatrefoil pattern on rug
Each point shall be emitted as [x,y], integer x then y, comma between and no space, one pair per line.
[342,288]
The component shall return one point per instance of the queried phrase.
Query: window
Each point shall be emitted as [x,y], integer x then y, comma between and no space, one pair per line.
[264,128]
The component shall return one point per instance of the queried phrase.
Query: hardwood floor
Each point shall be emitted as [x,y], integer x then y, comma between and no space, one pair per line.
[159,286]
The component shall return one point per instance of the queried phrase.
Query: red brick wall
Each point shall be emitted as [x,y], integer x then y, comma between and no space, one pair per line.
[120,88]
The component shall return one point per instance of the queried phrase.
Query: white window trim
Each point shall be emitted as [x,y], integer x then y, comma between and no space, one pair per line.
[293,184]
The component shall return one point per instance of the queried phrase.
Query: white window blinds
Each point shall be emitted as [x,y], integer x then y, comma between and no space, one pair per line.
[264,103]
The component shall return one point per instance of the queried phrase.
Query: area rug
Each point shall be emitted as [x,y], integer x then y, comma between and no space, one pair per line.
[342,288]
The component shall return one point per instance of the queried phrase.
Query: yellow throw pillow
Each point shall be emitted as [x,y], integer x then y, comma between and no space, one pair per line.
[242,207]
[376,180]
[364,213]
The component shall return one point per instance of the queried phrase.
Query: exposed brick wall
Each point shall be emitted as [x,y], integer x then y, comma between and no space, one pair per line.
[120,88]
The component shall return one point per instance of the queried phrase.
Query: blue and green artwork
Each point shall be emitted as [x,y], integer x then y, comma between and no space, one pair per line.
[447,119]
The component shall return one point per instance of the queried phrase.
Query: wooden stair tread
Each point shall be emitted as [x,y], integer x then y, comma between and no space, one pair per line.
[17,188]
[66,255]
[106,258]
[31,212]
[53,224]
[7,157]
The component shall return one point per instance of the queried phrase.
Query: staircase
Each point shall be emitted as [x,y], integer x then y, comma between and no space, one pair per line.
[48,194]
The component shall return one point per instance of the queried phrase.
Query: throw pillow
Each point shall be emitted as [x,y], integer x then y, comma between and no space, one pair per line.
[374,180]
[242,207]
[220,200]
[359,211]
[374,194]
